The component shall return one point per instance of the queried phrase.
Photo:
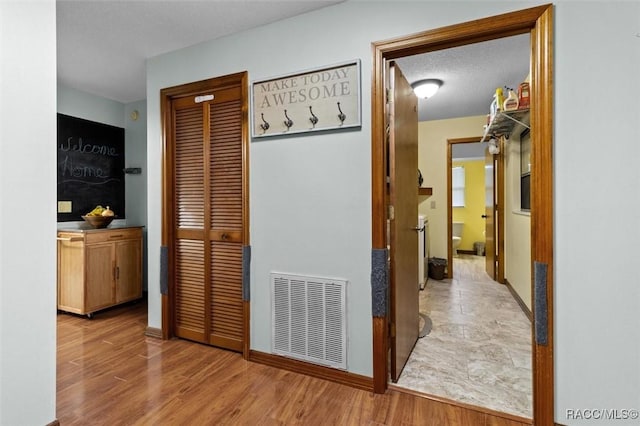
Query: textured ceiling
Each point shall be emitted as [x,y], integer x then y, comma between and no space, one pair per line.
[470,74]
[102,45]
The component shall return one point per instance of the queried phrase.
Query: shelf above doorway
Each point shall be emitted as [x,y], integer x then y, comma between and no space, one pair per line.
[425,192]
[504,122]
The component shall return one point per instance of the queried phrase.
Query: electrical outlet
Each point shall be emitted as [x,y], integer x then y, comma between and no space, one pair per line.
[433,204]
[64,207]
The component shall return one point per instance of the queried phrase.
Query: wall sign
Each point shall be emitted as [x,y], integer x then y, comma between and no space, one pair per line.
[320,99]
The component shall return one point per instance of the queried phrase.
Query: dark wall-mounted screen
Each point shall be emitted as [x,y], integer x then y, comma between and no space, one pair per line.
[90,167]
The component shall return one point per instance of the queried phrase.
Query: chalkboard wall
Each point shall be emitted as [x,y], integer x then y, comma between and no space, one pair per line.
[90,167]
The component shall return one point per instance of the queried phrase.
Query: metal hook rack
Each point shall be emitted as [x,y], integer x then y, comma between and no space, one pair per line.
[288,122]
[265,125]
[342,115]
[313,119]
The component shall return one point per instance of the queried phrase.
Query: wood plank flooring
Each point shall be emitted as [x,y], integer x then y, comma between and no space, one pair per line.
[109,373]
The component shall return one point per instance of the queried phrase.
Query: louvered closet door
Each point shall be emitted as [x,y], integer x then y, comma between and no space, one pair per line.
[209,219]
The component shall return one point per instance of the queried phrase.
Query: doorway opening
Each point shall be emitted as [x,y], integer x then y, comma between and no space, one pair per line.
[538,23]
[480,339]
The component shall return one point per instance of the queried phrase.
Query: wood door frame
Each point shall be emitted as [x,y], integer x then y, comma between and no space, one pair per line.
[499,184]
[537,21]
[167,95]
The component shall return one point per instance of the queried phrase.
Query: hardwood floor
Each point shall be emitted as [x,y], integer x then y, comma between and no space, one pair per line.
[109,373]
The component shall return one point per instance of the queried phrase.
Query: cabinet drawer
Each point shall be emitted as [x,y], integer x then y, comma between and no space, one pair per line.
[113,235]
[70,237]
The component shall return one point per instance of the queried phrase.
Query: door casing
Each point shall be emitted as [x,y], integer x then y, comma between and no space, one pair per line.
[538,22]
[167,95]
[499,185]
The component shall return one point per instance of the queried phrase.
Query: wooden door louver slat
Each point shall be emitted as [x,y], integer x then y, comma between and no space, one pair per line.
[226,293]
[226,165]
[189,168]
[190,288]
[209,209]
[226,215]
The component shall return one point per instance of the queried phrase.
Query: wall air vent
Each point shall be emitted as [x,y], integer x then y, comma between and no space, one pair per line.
[309,319]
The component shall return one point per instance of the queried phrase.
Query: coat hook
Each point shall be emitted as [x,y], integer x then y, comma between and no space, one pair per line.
[288,122]
[341,116]
[264,126]
[313,119]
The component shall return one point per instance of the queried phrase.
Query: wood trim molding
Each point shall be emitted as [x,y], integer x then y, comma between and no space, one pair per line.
[153,332]
[500,202]
[326,373]
[54,423]
[537,21]
[518,299]
[450,143]
[542,203]
[476,408]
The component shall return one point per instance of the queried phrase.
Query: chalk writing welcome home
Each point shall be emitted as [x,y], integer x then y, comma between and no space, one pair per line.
[87,148]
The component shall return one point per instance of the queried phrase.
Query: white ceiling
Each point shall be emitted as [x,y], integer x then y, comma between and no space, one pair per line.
[103,45]
[470,74]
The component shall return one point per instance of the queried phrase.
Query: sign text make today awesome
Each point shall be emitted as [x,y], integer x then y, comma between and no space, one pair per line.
[321,99]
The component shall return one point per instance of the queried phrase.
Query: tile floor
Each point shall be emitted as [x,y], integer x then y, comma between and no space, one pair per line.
[479,350]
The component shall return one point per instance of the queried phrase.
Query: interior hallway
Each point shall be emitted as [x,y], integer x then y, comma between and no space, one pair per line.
[479,350]
[109,373]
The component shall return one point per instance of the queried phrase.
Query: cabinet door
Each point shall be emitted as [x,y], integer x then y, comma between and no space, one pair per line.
[128,270]
[70,274]
[100,276]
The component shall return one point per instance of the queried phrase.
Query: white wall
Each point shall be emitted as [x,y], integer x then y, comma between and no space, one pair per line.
[597,205]
[85,105]
[517,225]
[310,195]
[135,141]
[27,212]
[77,103]
[432,162]
[597,326]
[327,178]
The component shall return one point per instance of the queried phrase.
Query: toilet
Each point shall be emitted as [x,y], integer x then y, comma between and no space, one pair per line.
[457,237]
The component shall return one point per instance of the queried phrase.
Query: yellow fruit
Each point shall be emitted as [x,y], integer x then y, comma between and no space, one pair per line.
[107,212]
[97,211]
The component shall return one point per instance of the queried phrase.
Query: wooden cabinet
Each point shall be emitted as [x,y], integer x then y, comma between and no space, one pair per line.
[98,268]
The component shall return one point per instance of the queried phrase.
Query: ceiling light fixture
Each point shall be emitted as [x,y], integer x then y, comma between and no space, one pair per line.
[426,88]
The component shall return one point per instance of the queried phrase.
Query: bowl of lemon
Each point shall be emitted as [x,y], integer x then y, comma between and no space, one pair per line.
[99,217]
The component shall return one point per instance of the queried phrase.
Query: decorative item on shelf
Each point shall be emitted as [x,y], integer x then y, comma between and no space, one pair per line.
[420,179]
[511,103]
[499,98]
[493,147]
[523,95]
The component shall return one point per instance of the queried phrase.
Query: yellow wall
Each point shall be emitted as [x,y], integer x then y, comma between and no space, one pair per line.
[432,161]
[474,200]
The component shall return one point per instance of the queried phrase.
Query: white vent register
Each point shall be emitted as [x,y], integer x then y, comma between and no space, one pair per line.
[308,319]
